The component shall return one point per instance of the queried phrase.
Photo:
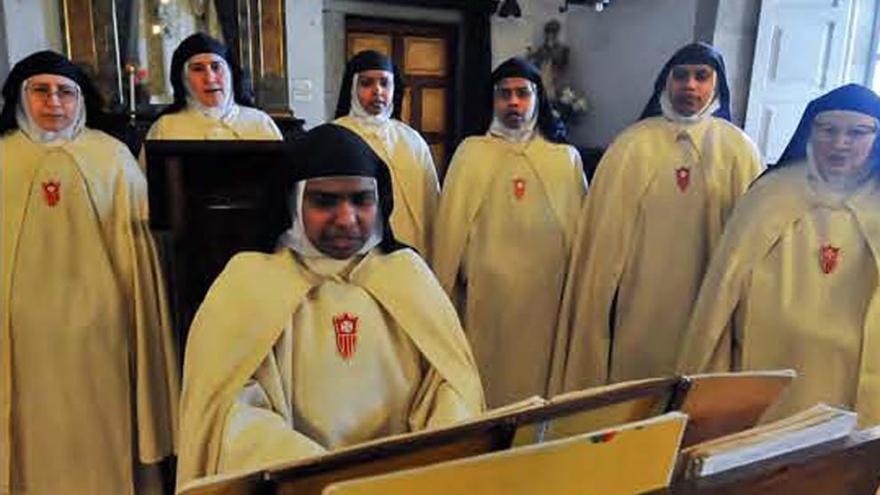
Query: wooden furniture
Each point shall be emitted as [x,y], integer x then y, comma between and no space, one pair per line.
[495,432]
[611,462]
[208,201]
[133,132]
[850,467]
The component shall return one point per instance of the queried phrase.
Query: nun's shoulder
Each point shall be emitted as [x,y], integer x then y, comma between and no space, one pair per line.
[11,135]
[253,114]
[783,188]
[474,149]
[97,140]
[564,148]
[475,143]
[109,160]
[774,201]
[641,130]
[160,127]
[781,178]
[404,264]
[733,134]
[405,130]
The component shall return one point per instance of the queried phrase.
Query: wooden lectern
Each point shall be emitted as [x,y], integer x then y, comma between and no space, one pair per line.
[840,468]
[208,201]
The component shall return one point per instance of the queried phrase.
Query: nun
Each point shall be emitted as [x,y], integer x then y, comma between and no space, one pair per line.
[794,282]
[89,373]
[340,336]
[209,100]
[660,198]
[369,105]
[504,232]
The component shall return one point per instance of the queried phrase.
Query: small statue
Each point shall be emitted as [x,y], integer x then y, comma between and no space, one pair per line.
[551,58]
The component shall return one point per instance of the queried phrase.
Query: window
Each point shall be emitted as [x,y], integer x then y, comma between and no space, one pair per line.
[874,64]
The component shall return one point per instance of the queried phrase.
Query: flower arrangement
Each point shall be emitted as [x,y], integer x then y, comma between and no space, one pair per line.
[570,105]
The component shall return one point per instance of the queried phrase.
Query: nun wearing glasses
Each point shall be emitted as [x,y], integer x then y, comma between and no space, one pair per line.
[89,378]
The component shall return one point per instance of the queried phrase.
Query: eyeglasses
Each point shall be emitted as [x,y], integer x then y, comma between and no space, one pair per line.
[66,94]
[830,132]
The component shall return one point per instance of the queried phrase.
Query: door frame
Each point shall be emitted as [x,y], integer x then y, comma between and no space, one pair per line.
[476,67]
[400,28]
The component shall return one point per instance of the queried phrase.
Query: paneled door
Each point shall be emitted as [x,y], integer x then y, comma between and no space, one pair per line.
[425,54]
[800,53]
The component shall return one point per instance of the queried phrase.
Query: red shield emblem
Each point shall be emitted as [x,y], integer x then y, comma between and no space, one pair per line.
[52,192]
[829,256]
[519,188]
[683,178]
[346,326]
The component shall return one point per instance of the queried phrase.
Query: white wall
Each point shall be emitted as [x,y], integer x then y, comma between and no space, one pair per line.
[616,55]
[4,52]
[735,33]
[513,36]
[305,59]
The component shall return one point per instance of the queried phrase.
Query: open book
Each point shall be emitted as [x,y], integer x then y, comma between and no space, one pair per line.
[814,426]
[623,460]
[721,404]
[499,429]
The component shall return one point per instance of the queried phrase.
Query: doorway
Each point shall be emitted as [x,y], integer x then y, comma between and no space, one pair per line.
[425,55]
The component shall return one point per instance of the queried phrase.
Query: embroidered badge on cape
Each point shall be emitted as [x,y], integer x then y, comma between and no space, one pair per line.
[519,188]
[683,178]
[346,326]
[52,192]
[829,256]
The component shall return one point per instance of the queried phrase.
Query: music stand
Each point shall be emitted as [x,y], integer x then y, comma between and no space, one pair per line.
[208,201]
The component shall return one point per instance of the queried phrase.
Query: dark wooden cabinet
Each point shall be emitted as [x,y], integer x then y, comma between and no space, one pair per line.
[208,201]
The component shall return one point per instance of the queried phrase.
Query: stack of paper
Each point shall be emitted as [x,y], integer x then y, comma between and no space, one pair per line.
[819,424]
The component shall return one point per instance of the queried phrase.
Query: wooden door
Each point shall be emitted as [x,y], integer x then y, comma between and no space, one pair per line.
[424,53]
[800,53]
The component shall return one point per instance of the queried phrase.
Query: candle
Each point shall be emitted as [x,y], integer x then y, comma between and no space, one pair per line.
[132,104]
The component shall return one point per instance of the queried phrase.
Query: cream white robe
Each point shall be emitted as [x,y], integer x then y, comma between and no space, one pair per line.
[767,301]
[413,175]
[503,234]
[188,124]
[265,383]
[656,209]
[89,374]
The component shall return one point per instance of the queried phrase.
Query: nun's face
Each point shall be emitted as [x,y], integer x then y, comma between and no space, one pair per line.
[515,101]
[375,90]
[339,214]
[842,142]
[52,101]
[691,87]
[207,77]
